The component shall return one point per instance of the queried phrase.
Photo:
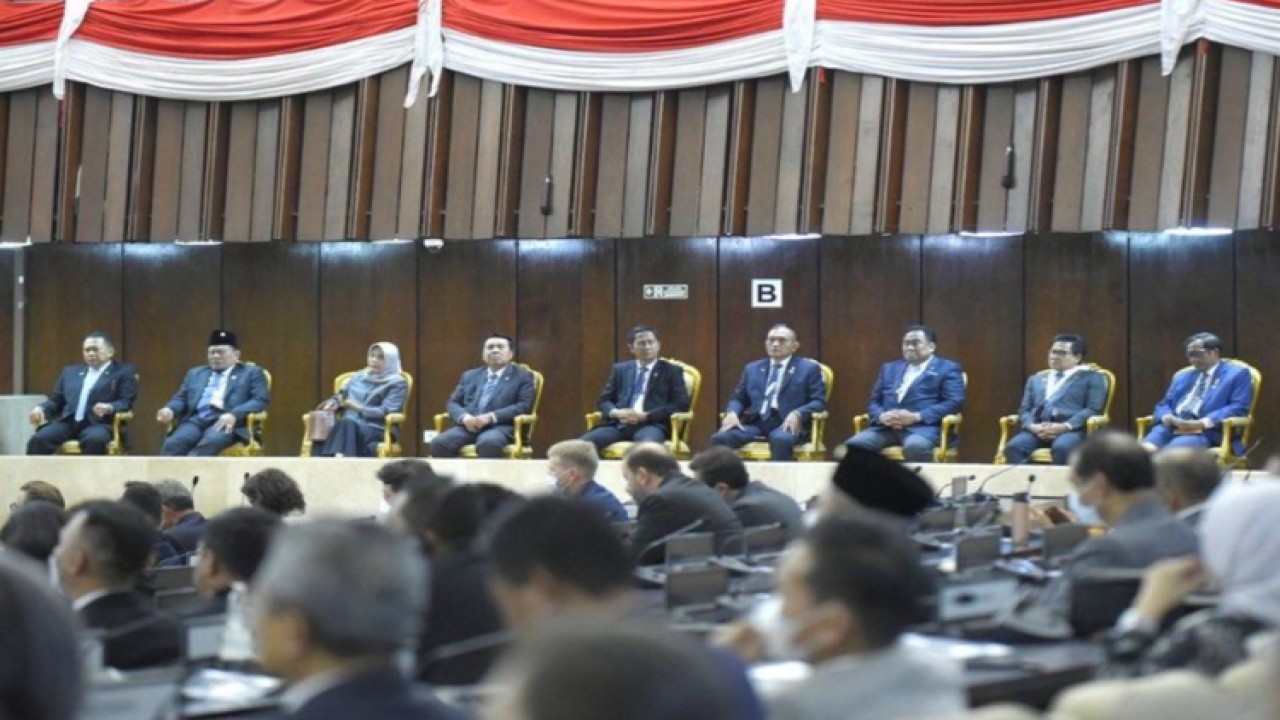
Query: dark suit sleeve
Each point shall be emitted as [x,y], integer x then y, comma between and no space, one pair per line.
[677,394]
[1238,401]
[741,399]
[608,401]
[952,398]
[524,400]
[392,402]
[1166,406]
[259,395]
[1095,401]
[815,394]
[178,403]
[655,519]
[128,393]
[876,408]
[58,398]
[456,407]
[1028,405]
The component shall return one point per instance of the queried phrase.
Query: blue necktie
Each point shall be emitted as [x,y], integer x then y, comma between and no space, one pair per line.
[637,387]
[205,407]
[85,388]
[771,390]
[486,394]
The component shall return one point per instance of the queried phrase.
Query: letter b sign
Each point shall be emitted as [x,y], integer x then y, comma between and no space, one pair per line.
[766,293]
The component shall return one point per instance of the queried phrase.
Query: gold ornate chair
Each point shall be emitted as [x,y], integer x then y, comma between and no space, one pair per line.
[522,446]
[1231,427]
[813,450]
[681,422]
[255,423]
[1009,423]
[391,424]
[119,421]
[948,444]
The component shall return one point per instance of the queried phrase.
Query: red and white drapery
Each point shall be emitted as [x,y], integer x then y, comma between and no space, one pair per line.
[249,49]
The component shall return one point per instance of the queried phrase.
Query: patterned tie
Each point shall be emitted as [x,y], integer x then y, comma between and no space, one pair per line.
[206,409]
[486,394]
[1190,405]
[771,390]
[637,387]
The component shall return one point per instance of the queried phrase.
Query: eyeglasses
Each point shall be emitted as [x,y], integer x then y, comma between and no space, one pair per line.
[1059,353]
[912,343]
[1196,354]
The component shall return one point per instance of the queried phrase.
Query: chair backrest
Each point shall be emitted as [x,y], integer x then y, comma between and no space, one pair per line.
[828,379]
[537,387]
[1111,385]
[692,380]
[1255,381]
[265,372]
[345,378]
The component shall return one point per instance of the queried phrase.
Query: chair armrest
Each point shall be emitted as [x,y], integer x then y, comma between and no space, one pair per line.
[593,419]
[523,425]
[950,426]
[117,426]
[255,421]
[860,423]
[306,436]
[390,422]
[1144,424]
[1229,427]
[818,427]
[439,419]
[680,425]
[1007,425]
[1096,423]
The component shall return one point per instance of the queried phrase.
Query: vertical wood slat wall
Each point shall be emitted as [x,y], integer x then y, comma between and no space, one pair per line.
[1116,148]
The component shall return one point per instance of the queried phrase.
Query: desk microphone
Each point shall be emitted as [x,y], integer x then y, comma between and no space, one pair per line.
[979,495]
[1245,457]
[958,486]
[669,537]
[195,480]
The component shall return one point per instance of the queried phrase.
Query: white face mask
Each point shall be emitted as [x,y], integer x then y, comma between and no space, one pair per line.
[779,632]
[1084,513]
[384,508]
[552,485]
[55,578]
[811,517]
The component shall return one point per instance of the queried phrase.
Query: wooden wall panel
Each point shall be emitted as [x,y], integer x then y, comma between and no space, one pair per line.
[166,170]
[846,94]
[997,139]
[686,190]
[1229,137]
[1073,136]
[1097,181]
[922,120]
[271,299]
[688,328]
[973,289]
[70,291]
[535,166]
[1257,313]
[766,160]
[615,120]
[569,334]
[942,173]
[390,141]
[870,290]
[464,132]
[23,121]
[1177,286]
[8,263]
[195,129]
[1177,141]
[172,301]
[1258,112]
[241,166]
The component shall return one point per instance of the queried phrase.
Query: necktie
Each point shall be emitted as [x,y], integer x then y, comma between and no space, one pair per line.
[638,387]
[1190,405]
[89,379]
[205,407]
[486,394]
[771,390]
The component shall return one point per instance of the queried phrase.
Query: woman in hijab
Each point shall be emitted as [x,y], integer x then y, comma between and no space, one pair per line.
[1239,545]
[366,400]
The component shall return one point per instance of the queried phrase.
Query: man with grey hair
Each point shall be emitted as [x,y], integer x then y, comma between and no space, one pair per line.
[337,601]
[1185,478]
[180,525]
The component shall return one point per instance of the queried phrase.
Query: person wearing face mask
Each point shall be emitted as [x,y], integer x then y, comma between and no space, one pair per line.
[365,401]
[571,472]
[846,593]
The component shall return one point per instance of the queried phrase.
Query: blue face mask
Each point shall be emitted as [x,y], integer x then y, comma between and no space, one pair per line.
[1084,513]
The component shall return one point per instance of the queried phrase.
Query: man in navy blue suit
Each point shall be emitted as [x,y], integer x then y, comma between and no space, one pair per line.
[84,399]
[774,399]
[1057,404]
[212,406]
[911,397]
[486,402]
[639,397]
[1200,398]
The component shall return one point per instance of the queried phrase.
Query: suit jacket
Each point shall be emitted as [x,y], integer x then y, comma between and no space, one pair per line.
[802,390]
[185,534]
[760,505]
[461,607]
[1229,395]
[381,695]
[1082,396]
[135,635]
[246,392]
[599,497]
[512,397]
[937,393]
[665,394]
[117,385]
[379,402]
[679,502]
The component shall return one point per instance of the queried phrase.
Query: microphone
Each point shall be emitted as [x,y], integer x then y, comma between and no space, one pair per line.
[978,494]
[195,480]
[669,537]
[1243,456]
[960,490]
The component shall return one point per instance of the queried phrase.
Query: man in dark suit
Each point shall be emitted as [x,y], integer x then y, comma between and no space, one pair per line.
[84,399]
[100,554]
[212,406]
[755,504]
[668,503]
[234,545]
[1186,478]
[336,603]
[180,525]
[911,397]
[1057,404]
[639,397]
[486,402]
[774,399]
[1200,398]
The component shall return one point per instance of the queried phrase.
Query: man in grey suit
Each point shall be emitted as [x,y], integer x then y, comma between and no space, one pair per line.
[486,403]
[1057,404]
[669,504]
[755,504]
[212,406]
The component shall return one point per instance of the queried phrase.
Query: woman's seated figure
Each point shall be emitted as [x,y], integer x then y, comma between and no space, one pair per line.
[364,403]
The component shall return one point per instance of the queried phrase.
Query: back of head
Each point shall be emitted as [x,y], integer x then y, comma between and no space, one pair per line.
[569,541]
[33,529]
[1191,473]
[467,513]
[39,651]
[174,495]
[720,465]
[653,458]
[878,483]
[117,537]
[41,490]
[1240,541]
[144,496]
[1118,456]
[585,670]
[360,588]
[863,561]
[274,491]
[406,472]
[239,538]
[420,502]
[578,454]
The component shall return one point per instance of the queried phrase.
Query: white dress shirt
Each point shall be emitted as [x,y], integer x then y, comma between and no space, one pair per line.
[909,377]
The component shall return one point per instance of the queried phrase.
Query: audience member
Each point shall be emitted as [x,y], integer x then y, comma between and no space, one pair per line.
[146,497]
[668,503]
[40,668]
[462,609]
[100,554]
[571,472]
[867,479]
[33,530]
[1185,478]
[38,490]
[336,602]
[180,525]
[396,475]
[1241,542]
[274,491]
[234,545]
[755,504]
[846,593]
